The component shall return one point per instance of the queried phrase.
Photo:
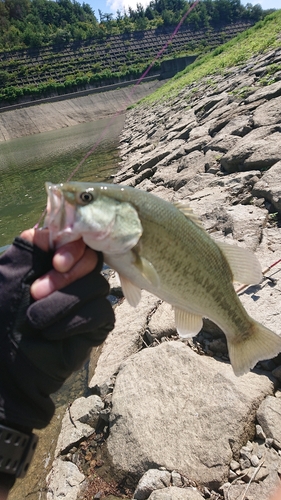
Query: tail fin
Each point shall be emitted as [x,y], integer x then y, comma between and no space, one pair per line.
[261,344]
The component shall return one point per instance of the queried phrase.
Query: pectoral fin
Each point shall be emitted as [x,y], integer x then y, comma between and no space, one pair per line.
[147,270]
[131,292]
[188,324]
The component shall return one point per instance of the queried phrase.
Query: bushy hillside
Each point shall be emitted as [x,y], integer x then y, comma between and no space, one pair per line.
[34,23]
[58,47]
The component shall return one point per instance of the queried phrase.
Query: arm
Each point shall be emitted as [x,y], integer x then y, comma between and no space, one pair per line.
[53,309]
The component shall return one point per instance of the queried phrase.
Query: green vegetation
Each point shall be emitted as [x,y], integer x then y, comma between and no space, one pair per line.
[53,47]
[263,36]
[36,23]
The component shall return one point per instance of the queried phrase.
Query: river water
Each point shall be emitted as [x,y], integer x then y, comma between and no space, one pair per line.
[25,165]
[28,162]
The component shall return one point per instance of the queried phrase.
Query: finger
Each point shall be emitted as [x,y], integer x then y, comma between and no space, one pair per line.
[55,280]
[40,238]
[70,309]
[67,255]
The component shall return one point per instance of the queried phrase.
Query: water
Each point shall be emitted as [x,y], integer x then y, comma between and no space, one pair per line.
[25,165]
[28,162]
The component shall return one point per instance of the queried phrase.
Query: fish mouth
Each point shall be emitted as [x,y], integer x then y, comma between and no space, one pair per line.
[60,217]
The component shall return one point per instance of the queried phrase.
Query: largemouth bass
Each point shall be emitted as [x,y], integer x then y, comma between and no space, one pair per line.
[161,247]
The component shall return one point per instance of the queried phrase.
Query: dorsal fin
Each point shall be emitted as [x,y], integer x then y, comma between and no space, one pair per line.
[187,211]
[244,264]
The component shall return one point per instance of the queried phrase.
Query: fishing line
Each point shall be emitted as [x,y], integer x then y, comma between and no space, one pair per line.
[243,287]
[133,90]
[127,102]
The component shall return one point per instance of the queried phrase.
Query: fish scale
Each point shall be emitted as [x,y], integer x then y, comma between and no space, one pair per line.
[161,247]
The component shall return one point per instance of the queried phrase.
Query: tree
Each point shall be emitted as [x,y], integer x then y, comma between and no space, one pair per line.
[17,9]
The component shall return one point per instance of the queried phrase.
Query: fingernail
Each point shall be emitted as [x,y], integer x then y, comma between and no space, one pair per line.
[42,287]
[63,261]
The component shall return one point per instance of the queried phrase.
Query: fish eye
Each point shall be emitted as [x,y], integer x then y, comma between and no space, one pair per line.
[86,197]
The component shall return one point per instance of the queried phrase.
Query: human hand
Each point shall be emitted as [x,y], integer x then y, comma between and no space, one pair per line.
[70,262]
[44,340]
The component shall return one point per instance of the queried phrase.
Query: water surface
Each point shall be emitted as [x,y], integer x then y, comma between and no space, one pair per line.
[25,165]
[28,162]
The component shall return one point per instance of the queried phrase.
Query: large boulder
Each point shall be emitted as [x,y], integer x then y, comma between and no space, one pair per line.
[176,409]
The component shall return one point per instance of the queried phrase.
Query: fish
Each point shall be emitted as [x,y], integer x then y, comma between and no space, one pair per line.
[163,248]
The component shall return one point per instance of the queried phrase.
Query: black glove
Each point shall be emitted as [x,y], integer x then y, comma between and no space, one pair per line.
[42,342]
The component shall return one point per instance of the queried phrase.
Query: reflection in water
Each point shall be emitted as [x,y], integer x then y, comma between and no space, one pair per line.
[27,163]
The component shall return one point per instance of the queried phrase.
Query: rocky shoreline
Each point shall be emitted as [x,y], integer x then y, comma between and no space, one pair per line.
[168,419]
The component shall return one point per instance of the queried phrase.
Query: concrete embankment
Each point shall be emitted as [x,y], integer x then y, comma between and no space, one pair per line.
[48,116]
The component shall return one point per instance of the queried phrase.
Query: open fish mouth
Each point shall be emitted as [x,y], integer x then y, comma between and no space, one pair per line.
[60,217]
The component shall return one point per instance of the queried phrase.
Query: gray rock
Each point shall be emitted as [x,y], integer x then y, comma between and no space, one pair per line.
[64,481]
[239,125]
[176,479]
[255,491]
[160,152]
[162,322]
[269,186]
[234,465]
[247,224]
[269,417]
[192,426]
[78,422]
[123,341]
[267,92]
[258,149]
[255,460]
[259,432]
[222,143]
[153,479]
[174,493]
[268,113]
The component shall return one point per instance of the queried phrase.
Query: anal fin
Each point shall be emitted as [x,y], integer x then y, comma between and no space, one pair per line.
[188,324]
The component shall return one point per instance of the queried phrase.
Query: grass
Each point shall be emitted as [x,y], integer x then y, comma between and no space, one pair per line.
[263,36]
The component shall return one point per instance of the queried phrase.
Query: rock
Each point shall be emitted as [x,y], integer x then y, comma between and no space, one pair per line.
[259,432]
[268,113]
[176,479]
[153,479]
[217,147]
[234,465]
[222,143]
[255,460]
[269,186]
[174,493]
[247,223]
[162,322]
[269,417]
[64,481]
[192,426]
[123,341]
[267,92]
[258,149]
[78,422]
[255,491]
